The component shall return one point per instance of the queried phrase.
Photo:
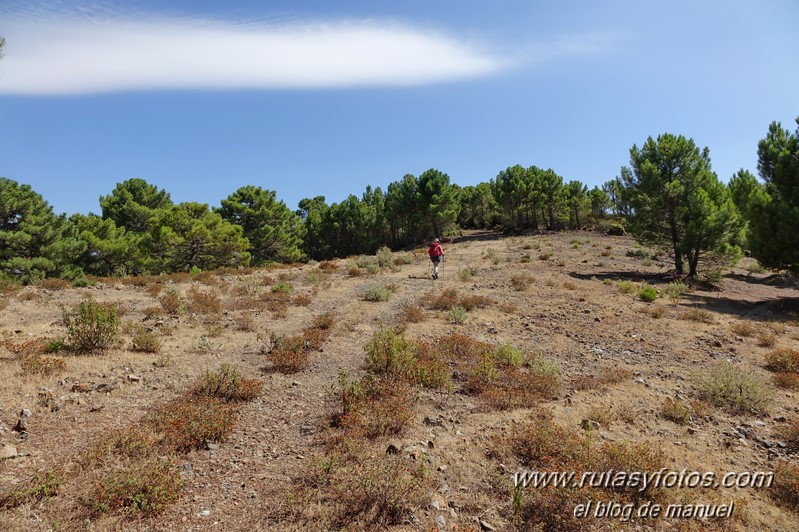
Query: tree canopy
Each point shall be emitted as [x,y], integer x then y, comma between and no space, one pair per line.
[676,201]
[133,203]
[275,233]
[772,208]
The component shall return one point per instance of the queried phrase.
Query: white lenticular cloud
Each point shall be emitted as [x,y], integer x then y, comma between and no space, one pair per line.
[74,55]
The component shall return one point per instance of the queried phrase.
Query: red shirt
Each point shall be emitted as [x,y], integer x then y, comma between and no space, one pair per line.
[435,250]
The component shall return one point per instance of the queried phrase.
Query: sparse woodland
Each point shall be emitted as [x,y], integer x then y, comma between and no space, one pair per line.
[246,367]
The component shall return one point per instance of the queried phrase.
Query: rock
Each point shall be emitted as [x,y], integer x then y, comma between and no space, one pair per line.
[441,522]
[21,426]
[640,380]
[105,387]
[393,448]
[8,451]
[83,387]
[204,513]
[588,424]
[432,420]
[210,446]
[780,419]
[25,413]
[485,525]
[307,429]
[134,378]
[185,470]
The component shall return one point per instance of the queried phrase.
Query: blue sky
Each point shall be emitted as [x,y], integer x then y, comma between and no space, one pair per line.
[324,98]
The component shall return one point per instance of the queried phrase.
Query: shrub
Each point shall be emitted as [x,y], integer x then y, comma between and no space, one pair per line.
[411,314]
[544,366]
[605,377]
[568,285]
[734,390]
[204,302]
[744,328]
[283,288]
[145,342]
[466,274]
[783,360]
[403,259]
[615,229]
[328,266]
[648,293]
[472,302]
[39,365]
[227,384]
[289,360]
[790,435]
[385,257]
[507,355]
[625,287]
[389,353]
[458,315]
[171,300]
[188,422]
[42,485]
[544,256]
[91,327]
[676,410]
[446,300]
[656,311]
[767,339]
[377,293]
[141,489]
[787,379]
[375,493]
[697,314]
[785,490]
[520,282]
[354,271]
[675,290]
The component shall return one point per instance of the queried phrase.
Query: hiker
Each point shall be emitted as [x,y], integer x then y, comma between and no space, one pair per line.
[436,253]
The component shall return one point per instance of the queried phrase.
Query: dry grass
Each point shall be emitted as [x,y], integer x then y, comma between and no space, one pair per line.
[41,365]
[201,302]
[744,328]
[698,315]
[521,282]
[411,314]
[606,377]
[783,360]
[766,339]
[785,491]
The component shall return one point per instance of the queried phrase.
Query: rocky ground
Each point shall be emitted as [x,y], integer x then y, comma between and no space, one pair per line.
[554,296]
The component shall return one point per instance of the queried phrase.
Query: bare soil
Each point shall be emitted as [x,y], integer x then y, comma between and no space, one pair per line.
[569,313]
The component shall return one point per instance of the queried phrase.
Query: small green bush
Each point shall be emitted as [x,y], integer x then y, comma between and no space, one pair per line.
[91,327]
[734,390]
[385,257]
[507,355]
[227,384]
[625,287]
[544,367]
[142,489]
[675,290]
[648,293]
[389,353]
[377,293]
[458,315]
[783,360]
[145,342]
[283,288]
